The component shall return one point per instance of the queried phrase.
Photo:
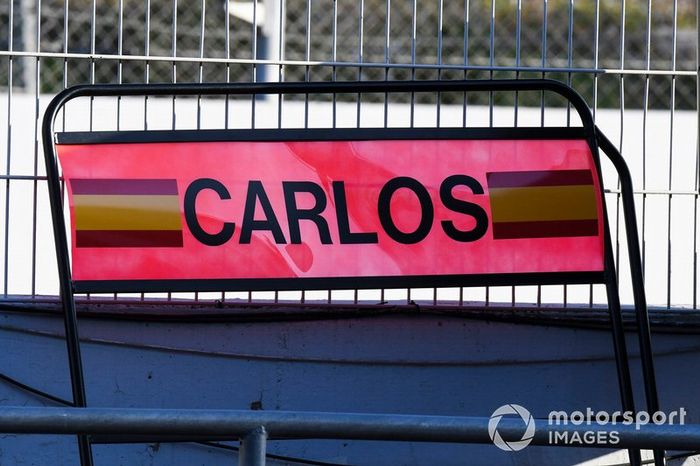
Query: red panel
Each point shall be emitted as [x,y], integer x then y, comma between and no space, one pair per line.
[364,168]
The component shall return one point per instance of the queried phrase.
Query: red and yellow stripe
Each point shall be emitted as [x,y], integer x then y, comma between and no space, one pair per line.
[543,204]
[112,213]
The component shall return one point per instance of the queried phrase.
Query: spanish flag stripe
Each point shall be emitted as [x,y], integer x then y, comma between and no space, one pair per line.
[128,238]
[114,213]
[124,186]
[521,179]
[127,212]
[552,229]
[543,203]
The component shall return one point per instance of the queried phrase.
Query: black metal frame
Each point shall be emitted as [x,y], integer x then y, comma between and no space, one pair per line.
[315,134]
[589,132]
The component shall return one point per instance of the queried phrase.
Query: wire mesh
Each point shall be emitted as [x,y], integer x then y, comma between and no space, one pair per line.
[633,61]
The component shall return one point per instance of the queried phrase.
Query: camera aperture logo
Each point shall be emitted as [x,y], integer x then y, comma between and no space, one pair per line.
[511,410]
[585,427]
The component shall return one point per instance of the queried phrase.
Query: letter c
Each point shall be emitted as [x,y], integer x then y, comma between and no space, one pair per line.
[191,215]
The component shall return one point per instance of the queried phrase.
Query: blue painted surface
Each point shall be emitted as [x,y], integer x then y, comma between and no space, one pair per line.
[393,364]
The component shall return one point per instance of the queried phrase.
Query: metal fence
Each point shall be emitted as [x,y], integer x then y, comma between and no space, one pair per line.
[633,61]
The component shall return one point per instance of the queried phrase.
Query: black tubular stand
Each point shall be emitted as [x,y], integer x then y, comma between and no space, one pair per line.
[593,136]
[640,299]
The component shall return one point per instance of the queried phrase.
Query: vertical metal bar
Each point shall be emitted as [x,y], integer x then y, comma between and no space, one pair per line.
[544,64]
[670,153]
[466,60]
[64,275]
[414,22]
[438,94]
[280,55]
[619,344]
[93,39]
[596,56]
[387,39]
[638,275]
[644,133]
[146,77]
[334,59]
[570,64]
[439,58]
[623,15]
[542,101]
[200,77]
[596,44]
[464,98]
[387,43]
[492,34]
[697,156]
[120,50]
[255,57]
[253,448]
[307,56]
[618,332]
[280,48]
[65,60]
[640,301]
[307,78]
[200,74]
[10,47]
[360,58]
[518,25]
[492,62]
[280,97]
[147,52]
[227,51]
[173,48]
[492,52]
[37,116]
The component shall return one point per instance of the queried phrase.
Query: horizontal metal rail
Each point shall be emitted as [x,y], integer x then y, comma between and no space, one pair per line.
[345,64]
[238,424]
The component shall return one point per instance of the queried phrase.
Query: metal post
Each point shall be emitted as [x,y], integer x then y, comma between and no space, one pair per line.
[640,302]
[253,445]
[70,318]
[624,377]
